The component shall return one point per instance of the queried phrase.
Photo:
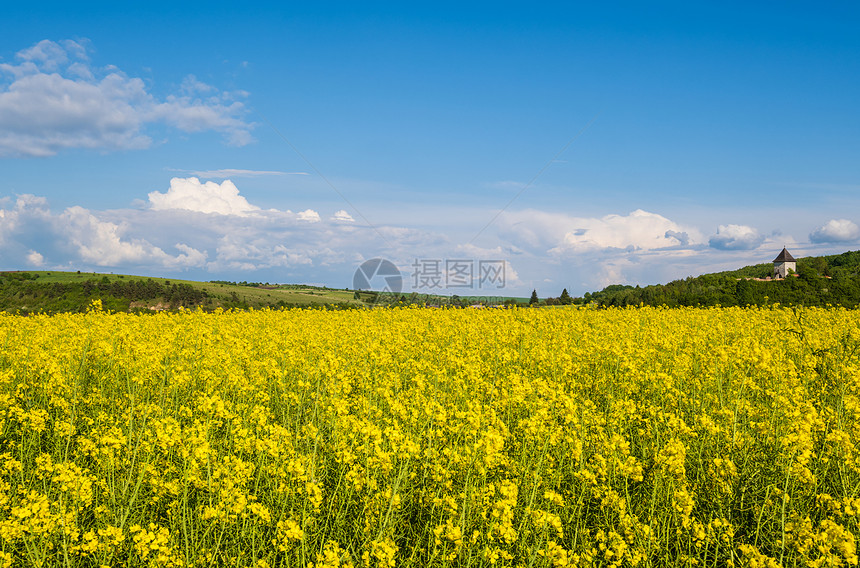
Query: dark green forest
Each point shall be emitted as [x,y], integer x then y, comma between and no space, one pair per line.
[820,281]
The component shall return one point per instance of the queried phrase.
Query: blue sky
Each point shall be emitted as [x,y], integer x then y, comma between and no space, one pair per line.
[592,143]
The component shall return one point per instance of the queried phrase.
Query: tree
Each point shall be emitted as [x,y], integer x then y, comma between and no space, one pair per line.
[565,298]
[534,299]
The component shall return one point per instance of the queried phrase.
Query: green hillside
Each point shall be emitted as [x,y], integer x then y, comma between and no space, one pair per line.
[820,281]
[52,292]
[43,291]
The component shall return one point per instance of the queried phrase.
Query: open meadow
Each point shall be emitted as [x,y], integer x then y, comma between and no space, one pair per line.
[431,437]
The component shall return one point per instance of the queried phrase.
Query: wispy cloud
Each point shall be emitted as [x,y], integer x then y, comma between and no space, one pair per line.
[57,100]
[824,186]
[505,184]
[234,173]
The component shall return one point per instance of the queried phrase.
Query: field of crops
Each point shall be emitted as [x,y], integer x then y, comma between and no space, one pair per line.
[422,437]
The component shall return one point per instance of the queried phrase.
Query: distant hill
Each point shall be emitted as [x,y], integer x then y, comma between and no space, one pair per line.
[51,292]
[821,280]
[55,292]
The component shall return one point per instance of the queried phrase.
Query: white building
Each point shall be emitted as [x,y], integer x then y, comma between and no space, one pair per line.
[783,263]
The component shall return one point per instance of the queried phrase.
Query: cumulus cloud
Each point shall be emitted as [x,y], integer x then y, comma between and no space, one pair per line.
[209,197]
[28,213]
[100,243]
[239,252]
[591,252]
[35,259]
[836,231]
[57,100]
[308,215]
[342,216]
[188,257]
[638,230]
[176,231]
[190,194]
[735,237]
[179,230]
[51,55]
[79,235]
[563,234]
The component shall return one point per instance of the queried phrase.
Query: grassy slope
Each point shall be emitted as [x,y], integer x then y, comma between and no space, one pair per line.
[228,294]
[251,295]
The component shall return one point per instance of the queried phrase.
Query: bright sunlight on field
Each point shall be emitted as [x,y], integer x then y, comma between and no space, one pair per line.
[420,437]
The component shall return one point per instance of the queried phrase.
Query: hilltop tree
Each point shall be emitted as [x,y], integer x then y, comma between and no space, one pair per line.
[565,298]
[534,299]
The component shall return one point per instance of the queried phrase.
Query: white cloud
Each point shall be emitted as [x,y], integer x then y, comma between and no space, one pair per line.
[736,237]
[33,235]
[309,215]
[614,272]
[640,230]
[240,253]
[189,257]
[179,231]
[191,86]
[505,184]
[562,234]
[194,115]
[342,216]
[57,100]
[231,173]
[100,242]
[28,211]
[35,259]
[208,197]
[836,231]
[47,53]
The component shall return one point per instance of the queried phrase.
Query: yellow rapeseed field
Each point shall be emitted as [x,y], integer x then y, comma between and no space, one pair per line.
[422,437]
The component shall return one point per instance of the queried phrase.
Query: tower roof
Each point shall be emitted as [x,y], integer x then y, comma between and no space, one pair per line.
[784,256]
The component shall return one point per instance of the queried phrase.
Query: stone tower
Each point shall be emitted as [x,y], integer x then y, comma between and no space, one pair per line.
[783,263]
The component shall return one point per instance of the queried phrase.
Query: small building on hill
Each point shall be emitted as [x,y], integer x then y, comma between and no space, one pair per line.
[783,263]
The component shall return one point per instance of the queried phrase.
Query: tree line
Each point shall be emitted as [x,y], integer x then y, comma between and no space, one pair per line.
[21,291]
[819,281]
